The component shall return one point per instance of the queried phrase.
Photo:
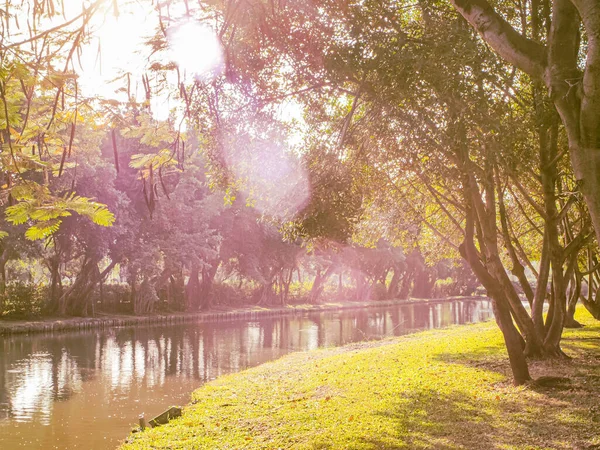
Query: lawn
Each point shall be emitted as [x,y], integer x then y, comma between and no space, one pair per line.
[443,389]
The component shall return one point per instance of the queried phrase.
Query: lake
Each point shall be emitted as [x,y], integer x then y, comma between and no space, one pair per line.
[85,390]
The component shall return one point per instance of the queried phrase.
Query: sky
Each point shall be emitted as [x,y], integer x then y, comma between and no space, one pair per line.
[121,41]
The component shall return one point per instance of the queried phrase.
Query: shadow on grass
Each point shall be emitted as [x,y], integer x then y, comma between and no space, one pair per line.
[561,415]
[547,418]
[426,419]
[491,357]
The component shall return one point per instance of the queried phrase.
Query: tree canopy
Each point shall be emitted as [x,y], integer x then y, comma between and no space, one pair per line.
[393,144]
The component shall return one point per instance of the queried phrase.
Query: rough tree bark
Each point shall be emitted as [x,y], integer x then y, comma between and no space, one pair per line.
[512,338]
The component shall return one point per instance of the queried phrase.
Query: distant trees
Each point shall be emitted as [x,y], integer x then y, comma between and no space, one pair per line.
[416,146]
[439,137]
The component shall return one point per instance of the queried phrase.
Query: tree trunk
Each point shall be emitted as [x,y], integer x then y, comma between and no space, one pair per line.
[76,300]
[286,285]
[502,307]
[192,290]
[513,342]
[574,294]
[423,284]
[145,298]
[53,304]
[208,278]
[320,279]
[541,290]
[3,261]
[406,284]
[591,303]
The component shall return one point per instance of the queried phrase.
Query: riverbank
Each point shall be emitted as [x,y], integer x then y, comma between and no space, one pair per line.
[53,324]
[445,389]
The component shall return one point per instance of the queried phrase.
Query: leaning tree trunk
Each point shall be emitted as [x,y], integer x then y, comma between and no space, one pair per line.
[502,311]
[392,290]
[492,267]
[76,299]
[576,95]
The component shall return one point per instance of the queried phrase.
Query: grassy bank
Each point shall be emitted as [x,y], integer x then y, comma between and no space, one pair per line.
[441,389]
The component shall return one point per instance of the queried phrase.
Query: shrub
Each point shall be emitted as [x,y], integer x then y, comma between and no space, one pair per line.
[23,300]
[224,294]
[444,288]
[115,298]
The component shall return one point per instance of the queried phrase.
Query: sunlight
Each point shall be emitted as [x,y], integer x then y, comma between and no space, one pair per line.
[116,48]
[277,182]
[195,48]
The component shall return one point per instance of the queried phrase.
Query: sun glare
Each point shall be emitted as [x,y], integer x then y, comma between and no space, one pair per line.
[195,48]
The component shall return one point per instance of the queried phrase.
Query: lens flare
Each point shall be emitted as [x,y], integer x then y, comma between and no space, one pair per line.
[195,48]
[275,179]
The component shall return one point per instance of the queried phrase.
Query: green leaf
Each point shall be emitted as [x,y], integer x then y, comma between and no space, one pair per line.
[42,230]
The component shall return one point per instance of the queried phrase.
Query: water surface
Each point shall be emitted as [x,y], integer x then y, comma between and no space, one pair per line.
[85,390]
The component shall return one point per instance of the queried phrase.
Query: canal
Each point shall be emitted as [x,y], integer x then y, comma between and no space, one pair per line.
[85,390]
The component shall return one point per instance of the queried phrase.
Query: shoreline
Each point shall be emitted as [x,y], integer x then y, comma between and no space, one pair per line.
[54,324]
[444,388]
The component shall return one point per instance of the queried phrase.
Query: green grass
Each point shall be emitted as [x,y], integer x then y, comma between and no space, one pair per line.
[445,389]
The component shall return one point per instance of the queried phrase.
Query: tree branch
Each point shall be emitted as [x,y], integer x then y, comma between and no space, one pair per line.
[589,10]
[527,55]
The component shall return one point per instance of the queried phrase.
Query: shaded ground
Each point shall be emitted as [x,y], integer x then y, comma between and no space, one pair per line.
[444,389]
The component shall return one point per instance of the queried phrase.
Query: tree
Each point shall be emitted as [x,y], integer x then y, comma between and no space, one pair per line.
[374,81]
[547,47]
[39,116]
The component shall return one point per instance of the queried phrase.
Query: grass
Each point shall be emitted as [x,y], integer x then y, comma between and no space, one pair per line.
[442,389]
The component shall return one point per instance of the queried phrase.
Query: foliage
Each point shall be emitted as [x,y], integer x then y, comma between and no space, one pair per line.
[23,300]
[39,135]
[36,204]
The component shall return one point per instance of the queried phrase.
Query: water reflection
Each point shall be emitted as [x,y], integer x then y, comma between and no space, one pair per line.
[84,390]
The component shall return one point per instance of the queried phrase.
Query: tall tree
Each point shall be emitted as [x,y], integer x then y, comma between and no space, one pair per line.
[547,46]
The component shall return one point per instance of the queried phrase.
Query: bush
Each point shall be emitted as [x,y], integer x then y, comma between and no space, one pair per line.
[300,292]
[224,294]
[115,298]
[23,300]
[444,288]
